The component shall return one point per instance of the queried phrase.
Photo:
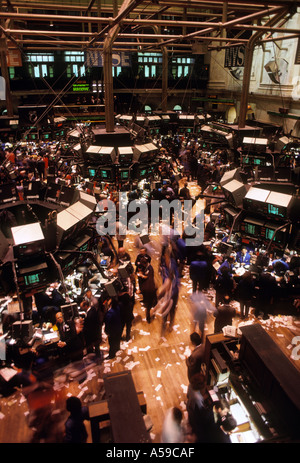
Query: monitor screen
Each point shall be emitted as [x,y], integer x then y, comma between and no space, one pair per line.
[250,228]
[269,233]
[124,174]
[32,279]
[35,279]
[275,210]
[28,249]
[105,174]
[279,237]
[92,172]
[81,87]
[31,136]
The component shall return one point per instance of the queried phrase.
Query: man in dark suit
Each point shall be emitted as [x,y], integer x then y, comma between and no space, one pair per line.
[184,193]
[113,327]
[92,328]
[195,360]
[70,348]
[142,255]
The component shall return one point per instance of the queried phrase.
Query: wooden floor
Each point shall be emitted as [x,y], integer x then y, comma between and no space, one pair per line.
[159,370]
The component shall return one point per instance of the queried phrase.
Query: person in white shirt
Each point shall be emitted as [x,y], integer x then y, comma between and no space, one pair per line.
[172,431]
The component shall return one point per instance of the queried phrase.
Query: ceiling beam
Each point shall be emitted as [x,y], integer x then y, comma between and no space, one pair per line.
[192,5]
[187,46]
[126,21]
[135,36]
[173,3]
[230,24]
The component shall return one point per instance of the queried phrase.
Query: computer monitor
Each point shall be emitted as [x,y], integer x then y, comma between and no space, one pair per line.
[67,196]
[106,174]
[124,174]
[105,261]
[32,190]
[276,211]
[252,226]
[230,214]
[32,279]
[92,154]
[269,233]
[250,229]
[33,276]
[28,240]
[7,193]
[125,154]
[92,172]
[53,192]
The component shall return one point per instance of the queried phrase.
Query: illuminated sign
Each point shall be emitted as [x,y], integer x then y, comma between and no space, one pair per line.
[81,87]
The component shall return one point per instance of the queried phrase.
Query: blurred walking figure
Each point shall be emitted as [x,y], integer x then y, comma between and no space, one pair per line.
[172,431]
[145,274]
[200,308]
[168,293]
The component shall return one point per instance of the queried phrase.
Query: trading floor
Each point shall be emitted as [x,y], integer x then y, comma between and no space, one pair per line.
[149,222]
[158,368]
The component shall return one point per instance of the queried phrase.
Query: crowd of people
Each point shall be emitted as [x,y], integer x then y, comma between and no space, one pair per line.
[100,315]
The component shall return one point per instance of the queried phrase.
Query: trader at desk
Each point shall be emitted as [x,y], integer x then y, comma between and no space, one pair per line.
[71,343]
[243,257]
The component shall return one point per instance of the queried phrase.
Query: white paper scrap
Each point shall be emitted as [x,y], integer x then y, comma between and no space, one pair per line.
[144,349]
[131,365]
[144,333]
